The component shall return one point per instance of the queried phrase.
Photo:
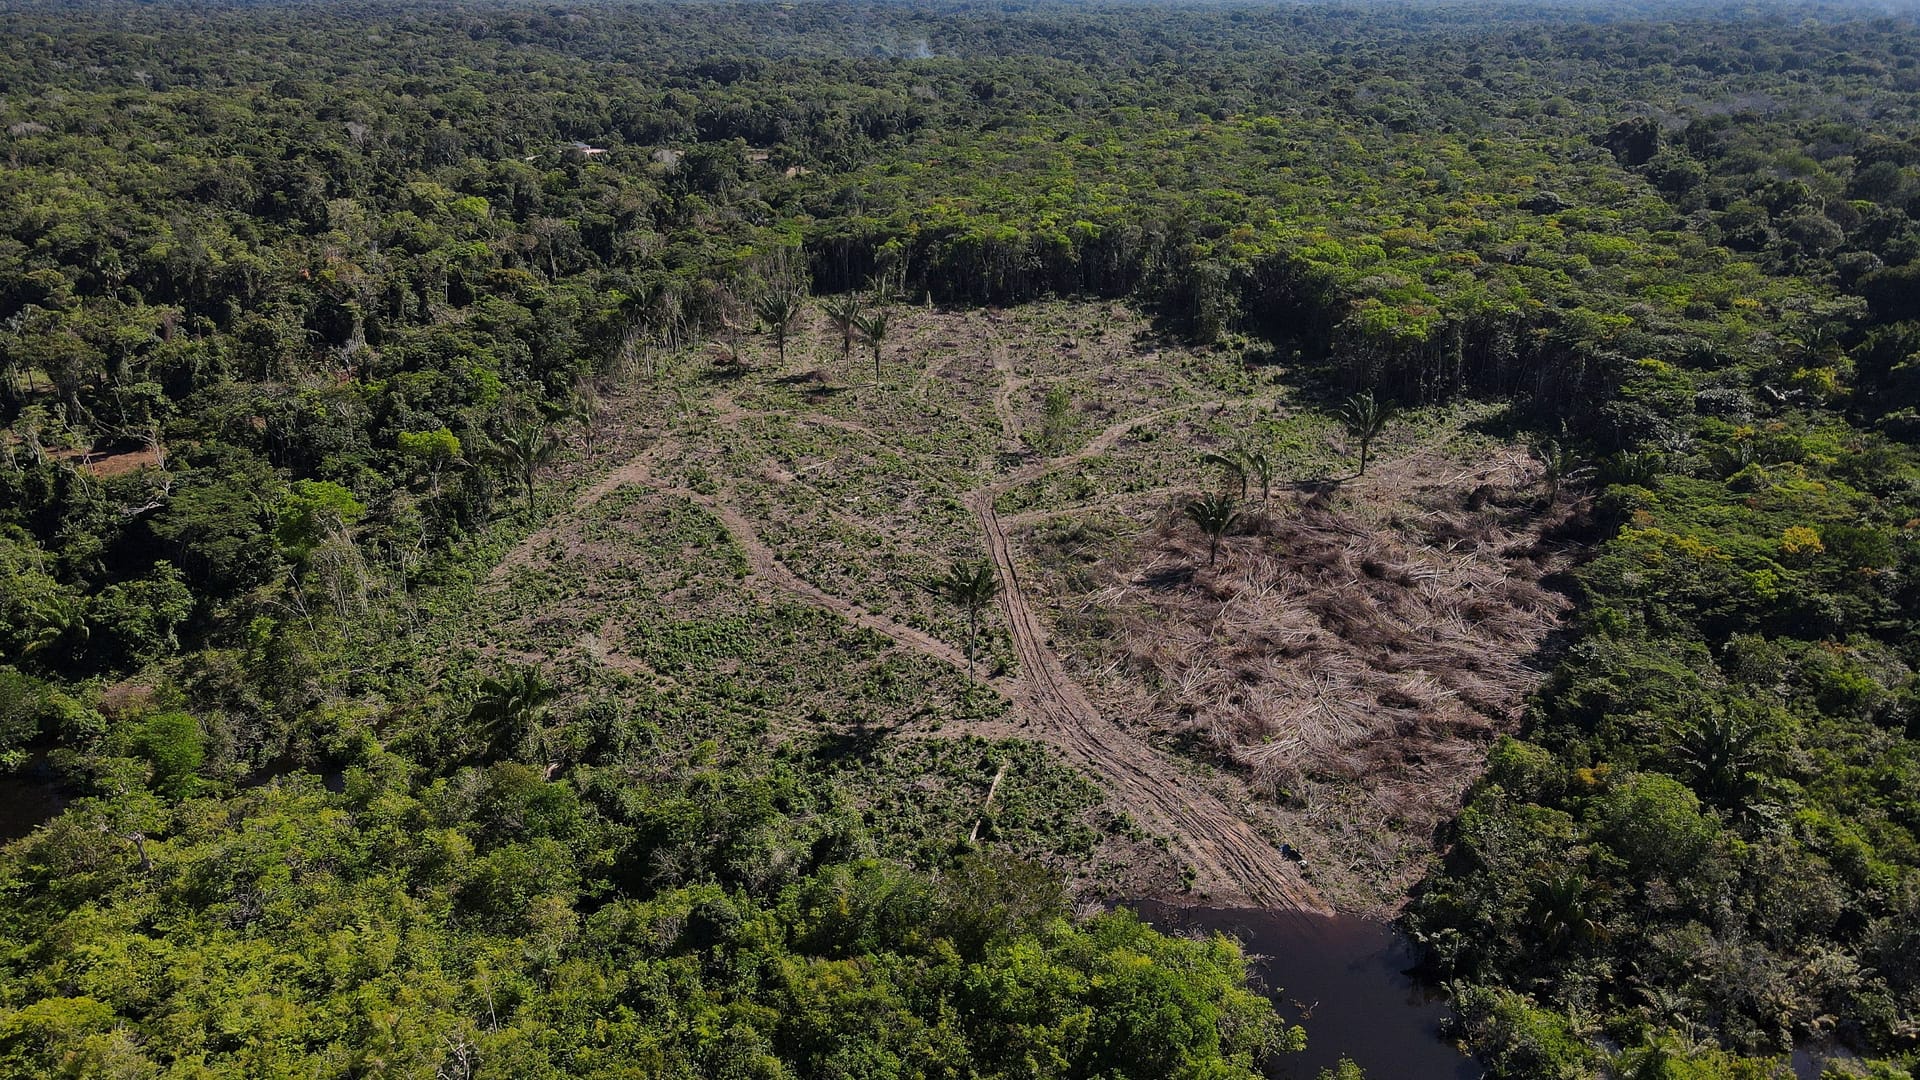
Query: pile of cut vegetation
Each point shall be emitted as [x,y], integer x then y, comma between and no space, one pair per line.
[1353,649]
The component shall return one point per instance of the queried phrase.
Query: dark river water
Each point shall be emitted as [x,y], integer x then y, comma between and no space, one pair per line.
[1343,979]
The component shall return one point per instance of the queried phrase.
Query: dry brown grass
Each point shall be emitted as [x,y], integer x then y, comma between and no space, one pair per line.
[107,465]
[1352,653]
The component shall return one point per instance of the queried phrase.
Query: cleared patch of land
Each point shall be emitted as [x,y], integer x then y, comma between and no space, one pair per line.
[752,546]
[1350,654]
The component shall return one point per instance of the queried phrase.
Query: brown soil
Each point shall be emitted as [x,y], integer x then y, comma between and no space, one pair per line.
[1351,654]
[107,465]
[1229,860]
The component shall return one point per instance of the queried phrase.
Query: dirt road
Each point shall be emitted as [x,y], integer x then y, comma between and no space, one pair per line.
[1231,862]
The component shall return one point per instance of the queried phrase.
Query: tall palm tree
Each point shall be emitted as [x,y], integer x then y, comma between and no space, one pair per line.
[1733,457]
[970,585]
[1724,752]
[890,285]
[873,329]
[1262,468]
[1660,1057]
[523,449]
[510,705]
[1641,467]
[1564,911]
[1215,514]
[1364,417]
[1557,465]
[844,313]
[53,619]
[779,310]
[586,408]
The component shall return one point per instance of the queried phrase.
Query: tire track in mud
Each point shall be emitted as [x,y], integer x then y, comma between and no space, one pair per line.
[1230,860]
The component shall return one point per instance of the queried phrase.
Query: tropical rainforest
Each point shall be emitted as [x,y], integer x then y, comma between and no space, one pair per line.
[319,320]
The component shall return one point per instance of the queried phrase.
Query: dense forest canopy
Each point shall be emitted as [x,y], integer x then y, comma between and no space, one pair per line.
[298,303]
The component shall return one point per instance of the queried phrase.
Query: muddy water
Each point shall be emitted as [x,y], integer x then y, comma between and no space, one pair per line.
[1344,979]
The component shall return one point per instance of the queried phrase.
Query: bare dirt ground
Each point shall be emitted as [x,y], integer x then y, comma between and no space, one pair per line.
[1331,684]
[1350,655]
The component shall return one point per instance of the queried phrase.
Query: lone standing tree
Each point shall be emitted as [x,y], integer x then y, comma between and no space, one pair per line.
[844,313]
[509,706]
[873,328]
[1215,514]
[523,448]
[1557,466]
[1242,464]
[1364,417]
[779,310]
[970,585]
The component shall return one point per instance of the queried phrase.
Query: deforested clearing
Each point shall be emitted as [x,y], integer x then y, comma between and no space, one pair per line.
[1328,687]
[1351,652]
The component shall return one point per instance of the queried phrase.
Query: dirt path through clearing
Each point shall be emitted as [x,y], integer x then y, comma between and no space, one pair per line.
[1106,440]
[761,560]
[768,567]
[1230,860]
[1009,382]
[635,471]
